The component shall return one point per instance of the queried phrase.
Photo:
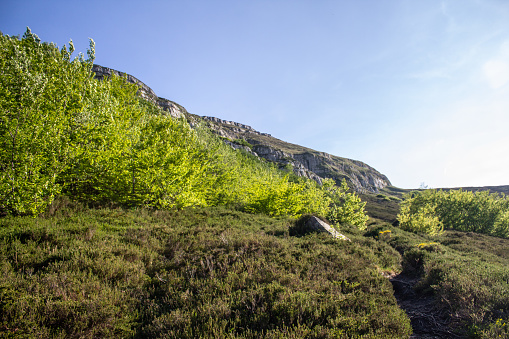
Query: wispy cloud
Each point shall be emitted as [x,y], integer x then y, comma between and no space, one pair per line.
[496,70]
[496,73]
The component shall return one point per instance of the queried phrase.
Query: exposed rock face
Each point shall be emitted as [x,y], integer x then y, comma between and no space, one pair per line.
[284,159]
[235,128]
[174,109]
[358,174]
[305,162]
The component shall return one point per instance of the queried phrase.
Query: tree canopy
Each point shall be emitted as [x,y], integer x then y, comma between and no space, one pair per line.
[64,132]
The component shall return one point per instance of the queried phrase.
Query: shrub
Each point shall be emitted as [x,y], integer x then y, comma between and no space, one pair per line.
[64,132]
[430,211]
[419,217]
[243,142]
[346,207]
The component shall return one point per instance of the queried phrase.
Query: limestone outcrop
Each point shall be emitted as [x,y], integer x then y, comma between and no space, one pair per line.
[305,162]
[235,127]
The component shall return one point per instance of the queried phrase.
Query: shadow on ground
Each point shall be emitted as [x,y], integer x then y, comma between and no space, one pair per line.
[427,320]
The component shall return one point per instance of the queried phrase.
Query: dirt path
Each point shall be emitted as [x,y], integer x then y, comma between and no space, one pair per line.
[426,319]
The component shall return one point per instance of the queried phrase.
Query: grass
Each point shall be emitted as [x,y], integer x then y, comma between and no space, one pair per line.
[384,208]
[467,273]
[195,273]
[217,272]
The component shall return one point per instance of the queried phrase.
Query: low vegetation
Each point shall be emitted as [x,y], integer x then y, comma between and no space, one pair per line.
[219,272]
[209,272]
[466,272]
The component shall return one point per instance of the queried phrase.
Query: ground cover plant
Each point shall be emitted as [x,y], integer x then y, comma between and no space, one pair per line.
[466,273]
[209,272]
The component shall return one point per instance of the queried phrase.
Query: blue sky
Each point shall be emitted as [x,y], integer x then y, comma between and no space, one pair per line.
[417,89]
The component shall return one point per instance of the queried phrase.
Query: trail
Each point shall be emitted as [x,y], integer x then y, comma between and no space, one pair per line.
[427,320]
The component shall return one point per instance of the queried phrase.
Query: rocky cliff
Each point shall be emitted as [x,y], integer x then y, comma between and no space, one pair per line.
[303,161]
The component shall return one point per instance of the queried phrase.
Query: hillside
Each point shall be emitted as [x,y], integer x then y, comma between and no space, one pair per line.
[195,273]
[385,204]
[303,161]
[504,189]
[218,272]
[119,221]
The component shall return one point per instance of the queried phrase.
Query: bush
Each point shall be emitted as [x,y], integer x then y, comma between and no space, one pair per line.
[64,132]
[430,211]
[346,207]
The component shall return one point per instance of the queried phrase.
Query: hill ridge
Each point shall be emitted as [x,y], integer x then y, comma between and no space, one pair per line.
[303,161]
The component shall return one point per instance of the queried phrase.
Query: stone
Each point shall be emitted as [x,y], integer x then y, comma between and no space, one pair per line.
[310,224]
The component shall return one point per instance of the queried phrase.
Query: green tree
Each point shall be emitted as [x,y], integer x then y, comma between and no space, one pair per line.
[38,98]
[64,132]
[345,207]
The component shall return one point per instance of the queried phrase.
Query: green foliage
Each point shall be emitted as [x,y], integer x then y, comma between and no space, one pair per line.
[276,195]
[243,142]
[430,211]
[419,216]
[41,90]
[346,207]
[62,131]
[498,329]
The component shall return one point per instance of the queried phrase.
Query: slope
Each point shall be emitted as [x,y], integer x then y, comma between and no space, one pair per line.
[303,161]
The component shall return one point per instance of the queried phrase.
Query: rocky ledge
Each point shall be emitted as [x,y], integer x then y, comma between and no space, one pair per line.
[303,161]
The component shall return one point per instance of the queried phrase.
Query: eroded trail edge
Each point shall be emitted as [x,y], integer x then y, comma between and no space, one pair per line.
[427,320]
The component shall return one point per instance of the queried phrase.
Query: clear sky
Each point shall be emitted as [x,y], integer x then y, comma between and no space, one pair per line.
[418,90]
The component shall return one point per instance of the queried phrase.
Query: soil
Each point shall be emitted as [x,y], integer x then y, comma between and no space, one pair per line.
[428,321]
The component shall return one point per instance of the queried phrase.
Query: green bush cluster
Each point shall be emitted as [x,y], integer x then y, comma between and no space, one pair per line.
[346,207]
[430,211]
[64,132]
[243,142]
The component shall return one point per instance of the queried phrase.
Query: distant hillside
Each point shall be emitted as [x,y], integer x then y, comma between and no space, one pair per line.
[302,160]
[493,189]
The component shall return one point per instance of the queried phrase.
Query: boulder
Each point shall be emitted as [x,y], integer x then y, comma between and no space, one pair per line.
[310,224]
